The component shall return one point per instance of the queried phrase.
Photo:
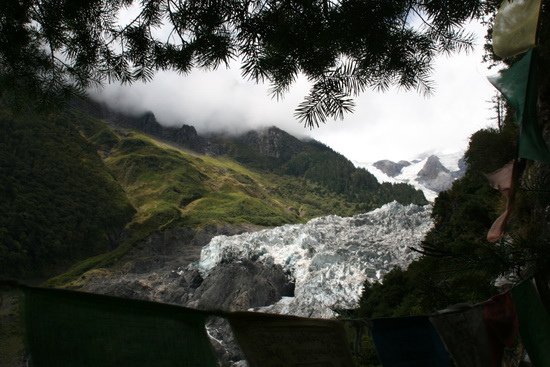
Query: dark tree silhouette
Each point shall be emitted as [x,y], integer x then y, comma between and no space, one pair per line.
[51,47]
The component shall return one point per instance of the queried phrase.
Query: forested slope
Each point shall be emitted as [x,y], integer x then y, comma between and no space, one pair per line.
[75,186]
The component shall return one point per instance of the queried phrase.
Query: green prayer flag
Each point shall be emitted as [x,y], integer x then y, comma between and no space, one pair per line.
[515,27]
[518,84]
[534,323]
[276,341]
[69,329]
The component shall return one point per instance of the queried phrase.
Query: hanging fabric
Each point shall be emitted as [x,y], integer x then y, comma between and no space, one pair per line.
[515,27]
[465,336]
[534,323]
[277,340]
[503,180]
[518,84]
[68,329]
[501,323]
[408,342]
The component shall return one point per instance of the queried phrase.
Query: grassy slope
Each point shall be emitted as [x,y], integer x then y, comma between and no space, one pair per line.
[172,187]
[316,162]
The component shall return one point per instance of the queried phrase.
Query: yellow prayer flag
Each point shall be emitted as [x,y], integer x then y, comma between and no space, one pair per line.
[515,27]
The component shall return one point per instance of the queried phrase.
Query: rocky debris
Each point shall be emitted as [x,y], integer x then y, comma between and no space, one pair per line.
[390,168]
[304,269]
[238,286]
[152,269]
[224,343]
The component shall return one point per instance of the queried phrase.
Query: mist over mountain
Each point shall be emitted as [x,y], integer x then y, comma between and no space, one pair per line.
[274,150]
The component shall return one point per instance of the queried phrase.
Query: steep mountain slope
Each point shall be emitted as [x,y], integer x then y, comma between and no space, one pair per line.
[184,197]
[273,150]
[58,200]
[74,186]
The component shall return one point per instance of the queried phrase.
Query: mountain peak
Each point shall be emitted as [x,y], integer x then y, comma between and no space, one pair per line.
[432,168]
[272,142]
[390,168]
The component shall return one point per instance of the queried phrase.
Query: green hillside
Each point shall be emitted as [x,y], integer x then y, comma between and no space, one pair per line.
[187,188]
[274,150]
[76,187]
[59,202]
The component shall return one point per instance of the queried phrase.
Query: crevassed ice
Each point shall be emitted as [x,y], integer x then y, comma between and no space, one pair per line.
[329,257]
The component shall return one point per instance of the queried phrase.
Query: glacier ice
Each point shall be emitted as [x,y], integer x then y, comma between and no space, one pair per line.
[329,257]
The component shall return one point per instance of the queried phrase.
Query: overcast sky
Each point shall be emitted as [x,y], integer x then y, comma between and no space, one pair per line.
[391,125]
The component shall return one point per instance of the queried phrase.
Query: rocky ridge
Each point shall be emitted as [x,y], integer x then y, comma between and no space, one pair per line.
[390,168]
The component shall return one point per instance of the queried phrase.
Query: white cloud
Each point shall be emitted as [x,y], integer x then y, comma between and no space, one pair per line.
[393,125]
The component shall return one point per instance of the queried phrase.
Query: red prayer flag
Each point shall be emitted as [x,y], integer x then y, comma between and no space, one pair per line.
[503,180]
[501,323]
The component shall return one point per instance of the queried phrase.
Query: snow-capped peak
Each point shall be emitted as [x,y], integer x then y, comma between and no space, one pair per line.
[431,174]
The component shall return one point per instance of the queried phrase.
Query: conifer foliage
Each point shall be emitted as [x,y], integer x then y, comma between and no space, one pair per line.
[49,47]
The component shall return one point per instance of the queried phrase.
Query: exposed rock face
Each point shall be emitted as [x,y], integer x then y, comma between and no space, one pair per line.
[390,168]
[152,270]
[272,142]
[435,176]
[241,285]
[305,269]
[432,168]
[185,136]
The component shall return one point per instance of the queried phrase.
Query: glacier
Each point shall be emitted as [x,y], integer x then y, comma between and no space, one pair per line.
[410,174]
[328,258]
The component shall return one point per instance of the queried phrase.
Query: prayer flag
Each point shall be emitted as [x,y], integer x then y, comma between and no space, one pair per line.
[501,322]
[465,336]
[287,341]
[502,180]
[534,323]
[68,329]
[518,84]
[497,230]
[515,27]
[408,342]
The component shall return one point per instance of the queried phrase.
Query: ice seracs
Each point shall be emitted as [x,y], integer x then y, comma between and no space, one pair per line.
[329,258]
